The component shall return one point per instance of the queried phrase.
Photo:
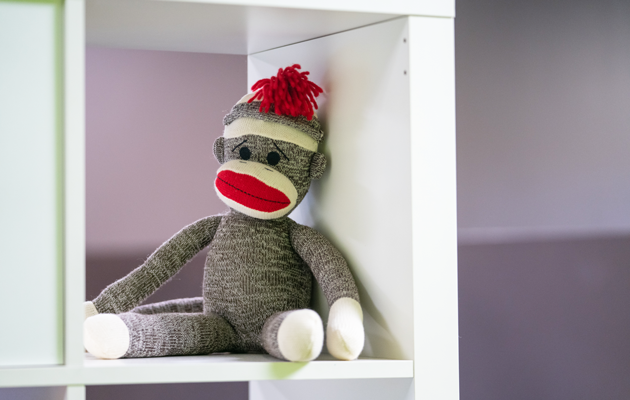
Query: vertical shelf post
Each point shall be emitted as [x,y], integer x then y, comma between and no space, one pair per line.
[74,182]
[434,209]
[75,392]
[74,185]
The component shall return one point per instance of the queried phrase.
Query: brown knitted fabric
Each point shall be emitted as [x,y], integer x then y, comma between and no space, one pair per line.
[298,170]
[255,271]
[126,293]
[190,305]
[312,128]
[326,262]
[173,334]
[252,272]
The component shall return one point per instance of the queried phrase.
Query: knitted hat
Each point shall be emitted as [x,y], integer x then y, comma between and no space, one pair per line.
[282,107]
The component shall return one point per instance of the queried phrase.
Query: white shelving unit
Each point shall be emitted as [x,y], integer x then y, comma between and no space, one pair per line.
[388,200]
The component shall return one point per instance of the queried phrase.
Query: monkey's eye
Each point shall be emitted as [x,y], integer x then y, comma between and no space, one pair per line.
[273,158]
[245,153]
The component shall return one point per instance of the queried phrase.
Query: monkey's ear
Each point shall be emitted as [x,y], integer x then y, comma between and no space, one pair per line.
[217,148]
[318,166]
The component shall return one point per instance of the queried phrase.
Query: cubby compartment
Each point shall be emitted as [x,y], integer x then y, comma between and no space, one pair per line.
[387,200]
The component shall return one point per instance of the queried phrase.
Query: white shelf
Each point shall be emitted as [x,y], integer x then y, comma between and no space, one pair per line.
[209,368]
[238,27]
[211,28]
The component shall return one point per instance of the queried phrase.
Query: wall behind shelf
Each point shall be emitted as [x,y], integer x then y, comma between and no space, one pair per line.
[543,92]
[152,117]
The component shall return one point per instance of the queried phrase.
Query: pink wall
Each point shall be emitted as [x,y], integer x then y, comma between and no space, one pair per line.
[543,120]
[152,117]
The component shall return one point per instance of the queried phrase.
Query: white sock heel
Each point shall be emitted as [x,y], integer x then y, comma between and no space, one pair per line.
[106,336]
[301,336]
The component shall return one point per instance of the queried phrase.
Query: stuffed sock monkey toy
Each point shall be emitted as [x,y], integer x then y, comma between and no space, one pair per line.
[260,263]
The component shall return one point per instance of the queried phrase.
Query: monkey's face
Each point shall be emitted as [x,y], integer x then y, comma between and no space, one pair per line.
[262,177]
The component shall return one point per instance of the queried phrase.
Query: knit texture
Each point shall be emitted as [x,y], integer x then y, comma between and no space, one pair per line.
[326,262]
[313,128]
[271,130]
[255,270]
[190,305]
[126,293]
[173,334]
[297,170]
[252,272]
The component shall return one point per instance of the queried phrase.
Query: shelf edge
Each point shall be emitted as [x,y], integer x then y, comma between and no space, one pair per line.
[208,372]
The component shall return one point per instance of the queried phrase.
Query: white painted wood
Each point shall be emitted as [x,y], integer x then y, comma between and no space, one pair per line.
[437,8]
[385,389]
[432,104]
[363,202]
[30,288]
[211,28]
[213,368]
[74,141]
[76,392]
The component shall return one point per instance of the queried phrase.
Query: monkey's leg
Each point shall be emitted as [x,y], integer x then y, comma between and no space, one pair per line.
[139,335]
[296,335]
[190,305]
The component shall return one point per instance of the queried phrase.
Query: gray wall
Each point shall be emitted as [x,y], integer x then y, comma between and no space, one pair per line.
[543,125]
[152,117]
[543,117]
[545,320]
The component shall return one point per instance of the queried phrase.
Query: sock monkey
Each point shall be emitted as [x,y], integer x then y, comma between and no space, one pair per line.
[260,263]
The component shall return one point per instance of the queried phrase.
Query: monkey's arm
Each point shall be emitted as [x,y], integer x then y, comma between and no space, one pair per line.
[344,333]
[126,293]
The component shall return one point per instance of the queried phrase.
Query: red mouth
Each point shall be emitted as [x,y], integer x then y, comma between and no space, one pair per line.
[250,192]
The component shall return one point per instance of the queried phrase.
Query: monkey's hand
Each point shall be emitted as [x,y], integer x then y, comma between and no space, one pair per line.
[90,310]
[344,333]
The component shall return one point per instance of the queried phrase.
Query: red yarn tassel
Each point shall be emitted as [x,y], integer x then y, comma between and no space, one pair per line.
[290,92]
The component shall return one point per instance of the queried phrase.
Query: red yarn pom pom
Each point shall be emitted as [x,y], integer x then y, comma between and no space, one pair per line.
[290,92]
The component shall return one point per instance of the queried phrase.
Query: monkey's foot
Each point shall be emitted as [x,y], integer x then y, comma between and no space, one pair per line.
[106,336]
[301,336]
